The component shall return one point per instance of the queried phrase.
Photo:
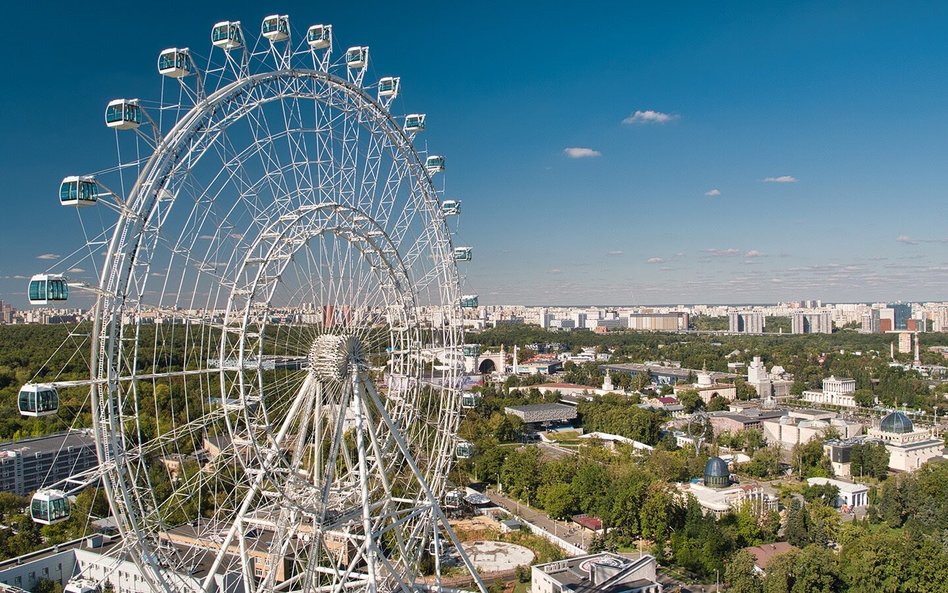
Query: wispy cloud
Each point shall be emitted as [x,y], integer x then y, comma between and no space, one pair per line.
[753,253]
[912,241]
[649,117]
[730,252]
[49,256]
[616,252]
[577,152]
[75,270]
[19,277]
[713,192]
[781,179]
[655,260]
[556,271]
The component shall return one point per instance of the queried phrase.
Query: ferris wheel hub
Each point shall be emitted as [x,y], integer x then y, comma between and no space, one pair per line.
[333,357]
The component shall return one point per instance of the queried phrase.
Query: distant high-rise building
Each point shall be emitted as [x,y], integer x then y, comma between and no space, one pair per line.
[902,312]
[811,322]
[870,322]
[745,322]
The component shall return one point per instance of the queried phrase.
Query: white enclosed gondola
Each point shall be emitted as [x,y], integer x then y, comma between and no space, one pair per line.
[37,399]
[469,301]
[388,87]
[276,27]
[471,350]
[319,36]
[49,506]
[415,122]
[434,164]
[48,288]
[463,254]
[451,207]
[469,400]
[357,57]
[82,586]
[464,450]
[175,62]
[123,114]
[227,35]
[78,190]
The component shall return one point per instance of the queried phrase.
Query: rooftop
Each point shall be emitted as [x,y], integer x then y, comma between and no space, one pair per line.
[49,444]
[764,554]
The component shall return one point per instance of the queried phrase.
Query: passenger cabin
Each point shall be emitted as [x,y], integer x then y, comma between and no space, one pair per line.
[82,586]
[357,57]
[469,399]
[434,164]
[388,87]
[227,35]
[48,288]
[276,27]
[123,114]
[36,399]
[464,450]
[49,506]
[415,122]
[175,62]
[471,350]
[319,36]
[78,190]
[463,254]
[469,301]
[451,207]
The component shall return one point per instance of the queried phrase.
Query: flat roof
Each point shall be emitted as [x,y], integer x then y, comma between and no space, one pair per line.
[848,487]
[49,444]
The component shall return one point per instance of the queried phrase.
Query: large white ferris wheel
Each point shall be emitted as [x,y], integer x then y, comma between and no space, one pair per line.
[276,349]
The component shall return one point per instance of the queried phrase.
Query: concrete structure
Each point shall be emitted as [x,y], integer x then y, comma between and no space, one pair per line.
[30,464]
[840,453]
[708,389]
[801,426]
[720,501]
[745,322]
[768,385]
[811,322]
[837,391]
[749,419]
[657,321]
[851,495]
[908,448]
[604,572]
[542,413]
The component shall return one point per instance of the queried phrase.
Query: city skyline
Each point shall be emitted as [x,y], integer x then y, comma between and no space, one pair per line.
[750,154]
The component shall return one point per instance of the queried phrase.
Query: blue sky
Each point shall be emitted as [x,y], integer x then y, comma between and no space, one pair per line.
[785,151]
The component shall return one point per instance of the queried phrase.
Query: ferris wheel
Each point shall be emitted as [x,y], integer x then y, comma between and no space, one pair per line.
[276,354]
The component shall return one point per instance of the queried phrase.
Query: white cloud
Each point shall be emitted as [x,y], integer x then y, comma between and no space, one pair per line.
[753,253]
[906,239]
[713,193]
[49,256]
[581,153]
[75,270]
[617,252]
[556,271]
[20,277]
[655,260]
[731,252]
[781,179]
[649,117]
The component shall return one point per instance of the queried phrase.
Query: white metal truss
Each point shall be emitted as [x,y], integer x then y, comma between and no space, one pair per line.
[259,396]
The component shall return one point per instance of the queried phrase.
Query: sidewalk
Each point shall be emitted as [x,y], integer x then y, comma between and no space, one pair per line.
[565,530]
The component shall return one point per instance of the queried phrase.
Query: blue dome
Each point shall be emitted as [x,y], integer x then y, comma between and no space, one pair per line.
[897,422]
[716,473]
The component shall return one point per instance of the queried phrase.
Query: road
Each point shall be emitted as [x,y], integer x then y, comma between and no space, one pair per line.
[567,530]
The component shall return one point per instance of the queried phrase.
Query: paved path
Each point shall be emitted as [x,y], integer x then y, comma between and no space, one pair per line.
[566,530]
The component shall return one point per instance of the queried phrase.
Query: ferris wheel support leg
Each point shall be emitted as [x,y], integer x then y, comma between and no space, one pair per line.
[432,499]
[370,555]
[208,586]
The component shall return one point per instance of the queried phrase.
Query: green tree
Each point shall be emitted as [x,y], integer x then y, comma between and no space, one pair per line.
[740,576]
[797,529]
[558,500]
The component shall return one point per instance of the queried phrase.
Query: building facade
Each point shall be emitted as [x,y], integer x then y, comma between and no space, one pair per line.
[30,464]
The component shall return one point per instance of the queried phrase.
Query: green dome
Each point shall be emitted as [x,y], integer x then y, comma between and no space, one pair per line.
[897,422]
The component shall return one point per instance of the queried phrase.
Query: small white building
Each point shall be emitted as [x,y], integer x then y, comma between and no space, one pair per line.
[851,494]
[837,391]
[801,426]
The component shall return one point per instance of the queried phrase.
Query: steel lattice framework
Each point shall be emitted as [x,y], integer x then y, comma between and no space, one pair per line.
[275,358]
